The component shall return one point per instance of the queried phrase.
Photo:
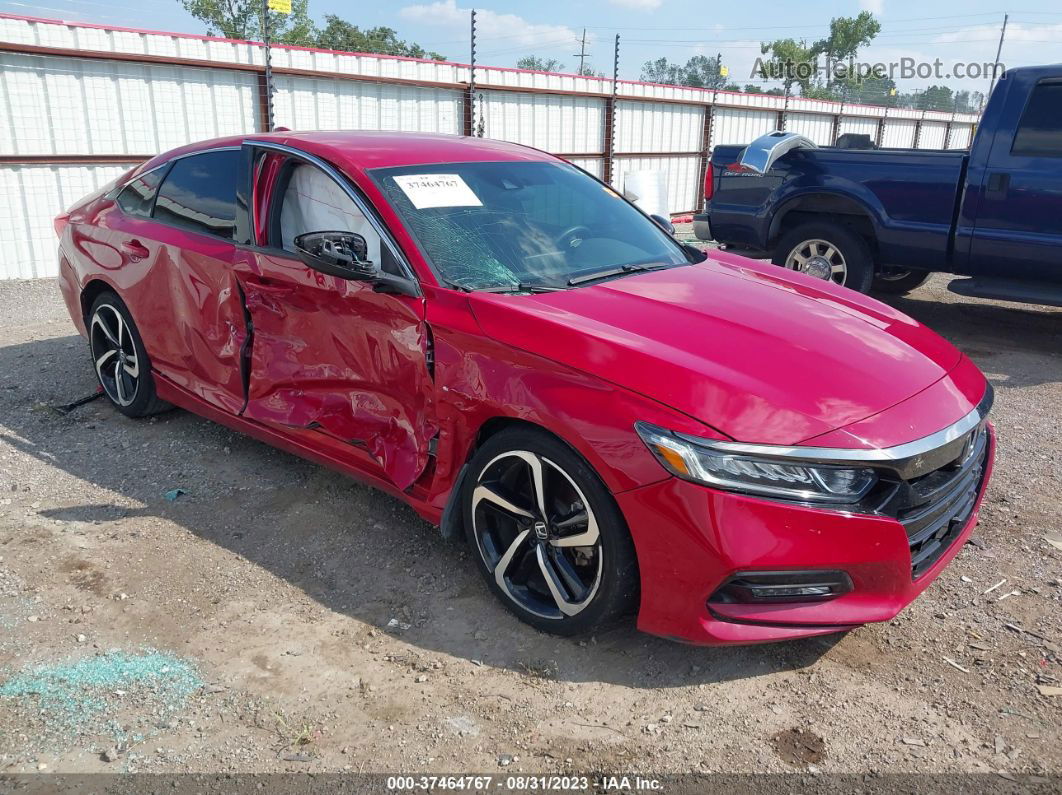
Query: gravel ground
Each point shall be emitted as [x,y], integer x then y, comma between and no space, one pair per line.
[279,617]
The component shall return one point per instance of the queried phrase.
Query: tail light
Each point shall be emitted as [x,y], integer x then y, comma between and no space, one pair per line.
[709,181]
[60,223]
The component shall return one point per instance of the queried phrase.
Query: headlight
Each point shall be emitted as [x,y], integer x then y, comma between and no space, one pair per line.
[802,481]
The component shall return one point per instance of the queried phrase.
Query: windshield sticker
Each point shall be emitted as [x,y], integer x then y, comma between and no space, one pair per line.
[437,190]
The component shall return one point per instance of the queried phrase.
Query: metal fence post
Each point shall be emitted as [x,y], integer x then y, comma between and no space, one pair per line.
[608,167]
[268,68]
[469,120]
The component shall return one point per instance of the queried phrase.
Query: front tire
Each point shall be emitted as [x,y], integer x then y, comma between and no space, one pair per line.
[828,251]
[895,281]
[547,535]
[119,358]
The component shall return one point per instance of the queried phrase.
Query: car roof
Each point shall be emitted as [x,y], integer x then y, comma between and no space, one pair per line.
[361,150]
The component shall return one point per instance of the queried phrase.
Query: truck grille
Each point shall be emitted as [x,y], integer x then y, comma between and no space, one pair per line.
[940,503]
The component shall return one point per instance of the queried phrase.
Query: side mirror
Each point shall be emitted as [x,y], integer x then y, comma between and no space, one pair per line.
[664,224]
[693,253]
[342,254]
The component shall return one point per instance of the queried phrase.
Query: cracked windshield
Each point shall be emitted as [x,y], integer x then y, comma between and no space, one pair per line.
[523,226]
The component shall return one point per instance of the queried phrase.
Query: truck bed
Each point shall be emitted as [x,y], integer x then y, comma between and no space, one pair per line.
[912,195]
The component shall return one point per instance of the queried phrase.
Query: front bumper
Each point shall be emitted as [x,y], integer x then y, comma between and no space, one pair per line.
[690,539]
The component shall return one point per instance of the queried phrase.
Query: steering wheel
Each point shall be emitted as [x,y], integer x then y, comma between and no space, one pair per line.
[567,238]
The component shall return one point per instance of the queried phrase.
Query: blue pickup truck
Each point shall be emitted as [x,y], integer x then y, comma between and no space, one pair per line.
[884,219]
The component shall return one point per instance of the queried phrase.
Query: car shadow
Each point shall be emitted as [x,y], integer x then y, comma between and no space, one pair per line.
[1015,344]
[353,549]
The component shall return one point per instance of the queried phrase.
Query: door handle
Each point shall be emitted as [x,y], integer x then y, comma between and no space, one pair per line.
[135,249]
[998,182]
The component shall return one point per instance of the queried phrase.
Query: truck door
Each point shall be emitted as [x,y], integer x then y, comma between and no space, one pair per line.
[1018,225]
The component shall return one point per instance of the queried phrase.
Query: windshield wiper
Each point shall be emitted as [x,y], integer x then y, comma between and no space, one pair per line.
[622,270]
[522,287]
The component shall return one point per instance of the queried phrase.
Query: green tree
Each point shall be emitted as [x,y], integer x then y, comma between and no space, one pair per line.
[871,91]
[537,64]
[791,62]
[338,34]
[700,71]
[936,98]
[242,19]
[795,63]
[662,71]
[847,35]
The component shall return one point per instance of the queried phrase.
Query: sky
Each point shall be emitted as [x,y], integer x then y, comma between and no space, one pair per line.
[954,31]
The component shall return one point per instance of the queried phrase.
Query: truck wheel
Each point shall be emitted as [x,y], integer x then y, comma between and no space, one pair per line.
[827,251]
[897,281]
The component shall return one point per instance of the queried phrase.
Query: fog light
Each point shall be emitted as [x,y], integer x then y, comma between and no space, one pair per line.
[758,587]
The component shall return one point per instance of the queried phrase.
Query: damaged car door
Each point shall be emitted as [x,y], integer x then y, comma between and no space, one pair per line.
[181,237]
[331,354]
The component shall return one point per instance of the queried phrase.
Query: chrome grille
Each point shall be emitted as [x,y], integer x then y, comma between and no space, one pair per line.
[940,503]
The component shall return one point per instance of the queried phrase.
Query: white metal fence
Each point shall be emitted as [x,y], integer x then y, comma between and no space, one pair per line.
[79,104]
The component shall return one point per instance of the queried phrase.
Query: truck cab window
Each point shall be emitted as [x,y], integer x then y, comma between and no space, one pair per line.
[1039,133]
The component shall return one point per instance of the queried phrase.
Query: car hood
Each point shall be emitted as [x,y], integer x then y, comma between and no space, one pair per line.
[759,353]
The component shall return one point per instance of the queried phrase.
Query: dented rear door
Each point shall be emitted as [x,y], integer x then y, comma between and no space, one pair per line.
[177,271]
[330,355]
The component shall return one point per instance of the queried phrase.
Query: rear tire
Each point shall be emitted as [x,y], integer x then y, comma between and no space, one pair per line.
[120,359]
[895,281]
[519,548]
[828,251]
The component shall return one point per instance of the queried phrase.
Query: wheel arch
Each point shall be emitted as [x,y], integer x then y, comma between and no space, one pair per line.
[452,517]
[833,207]
[91,291]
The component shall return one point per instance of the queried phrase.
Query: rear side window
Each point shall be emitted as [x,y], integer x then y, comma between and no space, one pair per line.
[199,194]
[137,197]
[1040,131]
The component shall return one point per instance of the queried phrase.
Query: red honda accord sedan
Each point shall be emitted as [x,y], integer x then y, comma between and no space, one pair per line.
[615,422]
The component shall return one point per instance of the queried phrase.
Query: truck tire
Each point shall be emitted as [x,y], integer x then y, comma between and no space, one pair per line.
[896,281]
[827,251]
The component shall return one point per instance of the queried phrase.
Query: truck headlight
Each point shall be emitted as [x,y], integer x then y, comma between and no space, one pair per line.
[802,481]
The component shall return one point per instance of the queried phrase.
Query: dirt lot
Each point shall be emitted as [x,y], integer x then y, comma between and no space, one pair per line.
[276,616]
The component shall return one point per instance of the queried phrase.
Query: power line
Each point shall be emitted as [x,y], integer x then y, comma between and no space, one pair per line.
[719,28]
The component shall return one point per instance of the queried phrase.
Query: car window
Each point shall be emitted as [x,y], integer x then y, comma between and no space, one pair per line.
[137,197]
[1040,130]
[311,201]
[199,193]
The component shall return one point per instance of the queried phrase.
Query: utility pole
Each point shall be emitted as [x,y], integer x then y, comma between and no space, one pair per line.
[999,51]
[581,55]
[268,68]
